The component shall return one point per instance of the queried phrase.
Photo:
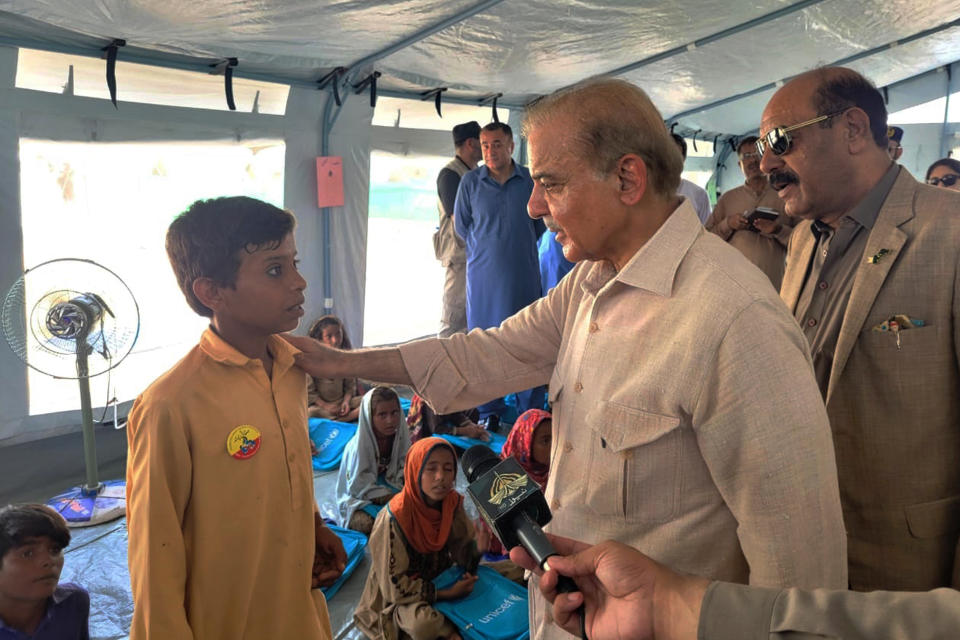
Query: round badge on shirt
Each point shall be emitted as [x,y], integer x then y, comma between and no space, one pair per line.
[243,442]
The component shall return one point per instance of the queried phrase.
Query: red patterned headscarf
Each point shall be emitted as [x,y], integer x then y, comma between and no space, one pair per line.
[520,445]
[425,528]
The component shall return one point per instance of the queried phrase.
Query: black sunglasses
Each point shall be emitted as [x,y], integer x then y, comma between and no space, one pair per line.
[947,180]
[779,140]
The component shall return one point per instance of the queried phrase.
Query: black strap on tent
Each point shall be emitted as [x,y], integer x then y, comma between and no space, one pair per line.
[334,77]
[226,68]
[715,138]
[886,96]
[488,98]
[672,127]
[371,81]
[733,144]
[437,95]
[695,138]
[111,55]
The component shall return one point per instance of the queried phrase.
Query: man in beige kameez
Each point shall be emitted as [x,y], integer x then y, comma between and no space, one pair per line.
[764,243]
[686,418]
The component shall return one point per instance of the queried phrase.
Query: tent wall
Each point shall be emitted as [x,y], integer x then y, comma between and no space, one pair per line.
[69,118]
[13,373]
[350,139]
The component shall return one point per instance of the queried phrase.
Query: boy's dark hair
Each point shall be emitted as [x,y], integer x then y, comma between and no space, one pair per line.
[382,394]
[19,522]
[316,329]
[850,89]
[499,126]
[205,240]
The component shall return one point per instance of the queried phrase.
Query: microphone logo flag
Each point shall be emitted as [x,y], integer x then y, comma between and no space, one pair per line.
[505,485]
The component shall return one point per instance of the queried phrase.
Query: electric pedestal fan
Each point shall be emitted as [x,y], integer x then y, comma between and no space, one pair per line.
[75,319]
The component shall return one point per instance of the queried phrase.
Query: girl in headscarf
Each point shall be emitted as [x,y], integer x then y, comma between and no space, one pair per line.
[529,442]
[332,398]
[424,422]
[423,532]
[371,471]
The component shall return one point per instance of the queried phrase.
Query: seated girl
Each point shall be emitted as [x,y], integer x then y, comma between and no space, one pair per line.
[424,422]
[332,398]
[529,442]
[371,471]
[423,532]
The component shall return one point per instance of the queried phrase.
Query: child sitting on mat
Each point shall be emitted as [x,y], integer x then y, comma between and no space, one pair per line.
[372,468]
[529,442]
[423,532]
[424,422]
[332,398]
[32,603]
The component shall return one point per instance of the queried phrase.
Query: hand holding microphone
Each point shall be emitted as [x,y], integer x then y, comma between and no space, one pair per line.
[513,506]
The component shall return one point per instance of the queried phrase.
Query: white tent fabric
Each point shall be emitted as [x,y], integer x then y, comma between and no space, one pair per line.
[708,51]
[710,67]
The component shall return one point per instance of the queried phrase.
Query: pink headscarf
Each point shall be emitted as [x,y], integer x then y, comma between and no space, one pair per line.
[519,445]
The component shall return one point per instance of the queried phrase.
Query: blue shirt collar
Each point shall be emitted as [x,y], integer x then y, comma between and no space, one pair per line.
[485,172]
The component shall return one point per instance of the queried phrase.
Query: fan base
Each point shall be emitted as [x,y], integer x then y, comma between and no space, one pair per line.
[81,507]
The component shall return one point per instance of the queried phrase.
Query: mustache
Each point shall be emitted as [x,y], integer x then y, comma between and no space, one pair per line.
[779,179]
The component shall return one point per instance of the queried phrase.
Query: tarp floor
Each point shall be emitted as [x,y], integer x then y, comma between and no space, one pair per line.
[97,560]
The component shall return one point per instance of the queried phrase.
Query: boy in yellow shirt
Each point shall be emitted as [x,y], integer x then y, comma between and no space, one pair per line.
[225,540]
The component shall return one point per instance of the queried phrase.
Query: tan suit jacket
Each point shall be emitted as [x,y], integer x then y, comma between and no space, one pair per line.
[737,612]
[895,410]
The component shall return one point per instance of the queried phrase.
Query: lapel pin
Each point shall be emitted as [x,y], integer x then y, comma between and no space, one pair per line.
[875,258]
[243,442]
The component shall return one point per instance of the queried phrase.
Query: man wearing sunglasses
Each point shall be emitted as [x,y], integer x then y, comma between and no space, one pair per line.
[872,278]
[763,242]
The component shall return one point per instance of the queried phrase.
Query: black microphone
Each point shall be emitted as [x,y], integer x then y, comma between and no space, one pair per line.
[511,503]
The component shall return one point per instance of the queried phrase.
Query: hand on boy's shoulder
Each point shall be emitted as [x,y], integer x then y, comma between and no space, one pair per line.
[315,358]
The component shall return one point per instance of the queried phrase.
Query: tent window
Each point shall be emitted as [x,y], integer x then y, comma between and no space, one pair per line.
[928,112]
[47,71]
[112,203]
[699,178]
[421,114]
[404,281]
[704,148]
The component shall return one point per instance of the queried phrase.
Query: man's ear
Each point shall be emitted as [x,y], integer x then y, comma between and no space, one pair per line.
[856,124]
[632,175]
[208,293]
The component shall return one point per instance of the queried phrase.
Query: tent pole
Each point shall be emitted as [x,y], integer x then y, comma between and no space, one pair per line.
[944,144]
[329,119]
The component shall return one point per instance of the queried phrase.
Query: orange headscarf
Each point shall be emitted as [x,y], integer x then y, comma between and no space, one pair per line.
[425,528]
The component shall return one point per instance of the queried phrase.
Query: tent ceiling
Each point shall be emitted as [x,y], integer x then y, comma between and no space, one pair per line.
[518,48]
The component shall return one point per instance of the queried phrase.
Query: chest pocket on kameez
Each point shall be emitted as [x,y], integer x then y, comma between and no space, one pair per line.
[635,470]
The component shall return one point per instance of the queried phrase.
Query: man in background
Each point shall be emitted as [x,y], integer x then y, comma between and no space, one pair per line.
[447,245]
[763,242]
[503,269]
[872,277]
[697,196]
[894,138]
